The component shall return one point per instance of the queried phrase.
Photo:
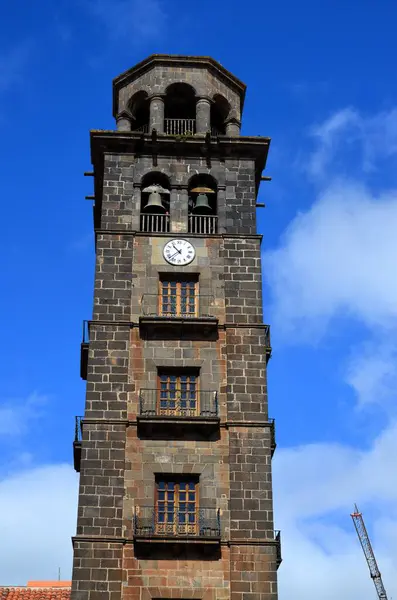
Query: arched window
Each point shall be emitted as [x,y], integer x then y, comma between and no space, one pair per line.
[155,203]
[220,109]
[202,192]
[139,107]
[180,110]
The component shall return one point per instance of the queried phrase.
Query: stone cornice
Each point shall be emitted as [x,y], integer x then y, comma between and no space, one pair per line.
[125,540]
[225,236]
[226,424]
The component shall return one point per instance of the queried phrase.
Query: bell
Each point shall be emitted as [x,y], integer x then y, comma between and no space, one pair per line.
[203,190]
[154,204]
[202,205]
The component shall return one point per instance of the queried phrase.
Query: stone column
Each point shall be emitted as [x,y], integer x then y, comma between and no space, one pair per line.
[203,115]
[123,121]
[136,208]
[233,128]
[156,114]
[179,210]
[221,209]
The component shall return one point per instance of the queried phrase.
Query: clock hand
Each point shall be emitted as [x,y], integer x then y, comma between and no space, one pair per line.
[171,257]
[180,251]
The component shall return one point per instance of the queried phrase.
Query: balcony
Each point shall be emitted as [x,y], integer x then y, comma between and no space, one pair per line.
[142,128]
[204,224]
[277,539]
[215,132]
[151,223]
[273,444]
[84,350]
[180,126]
[177,412]
[201,527]
[78,434]
[268,345]
[177,316]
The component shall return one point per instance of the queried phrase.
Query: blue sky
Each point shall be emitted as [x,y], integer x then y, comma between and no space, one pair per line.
[321,82]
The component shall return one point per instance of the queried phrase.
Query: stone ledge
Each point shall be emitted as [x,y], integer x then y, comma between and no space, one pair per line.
[133,233]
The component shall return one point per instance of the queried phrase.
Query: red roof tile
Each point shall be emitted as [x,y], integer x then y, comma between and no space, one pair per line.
[50,591]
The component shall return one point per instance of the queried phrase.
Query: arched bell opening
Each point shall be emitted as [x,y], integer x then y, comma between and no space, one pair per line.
[220,109]
[180,110]
[202,192]
[155,203]
[139,107]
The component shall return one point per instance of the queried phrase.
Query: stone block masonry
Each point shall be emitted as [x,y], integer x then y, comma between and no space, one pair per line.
[121,463]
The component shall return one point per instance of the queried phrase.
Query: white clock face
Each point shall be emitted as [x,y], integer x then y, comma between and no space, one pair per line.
[179,252]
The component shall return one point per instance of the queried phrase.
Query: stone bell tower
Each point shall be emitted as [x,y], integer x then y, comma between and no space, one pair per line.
[175,447]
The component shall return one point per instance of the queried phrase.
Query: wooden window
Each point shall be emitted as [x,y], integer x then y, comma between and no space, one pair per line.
[179,298]
[176,507]
[178,394]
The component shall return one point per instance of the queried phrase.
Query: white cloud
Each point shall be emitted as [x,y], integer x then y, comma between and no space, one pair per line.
[38,511]
[316,487]
[131,20]
[328,135]
[372,372]
[338,257]
[335,265]
[17,414]
[371,138]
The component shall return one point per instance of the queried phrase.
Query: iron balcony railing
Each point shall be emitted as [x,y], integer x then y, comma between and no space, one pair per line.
[78,429]
[142,128]
[179,306]
[178,403]
[151,223]
[277,538]
[180,126]
[203,523]
[268,345]
[273,444]
[205,224]
[78,435]
[84,348]
[215,132]
[177,127]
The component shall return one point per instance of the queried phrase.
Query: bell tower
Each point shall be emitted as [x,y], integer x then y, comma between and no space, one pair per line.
[175,446]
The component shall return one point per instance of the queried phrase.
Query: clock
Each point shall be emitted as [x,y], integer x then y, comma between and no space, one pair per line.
[179,252]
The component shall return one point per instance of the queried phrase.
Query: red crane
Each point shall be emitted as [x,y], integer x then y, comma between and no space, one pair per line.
[368,553]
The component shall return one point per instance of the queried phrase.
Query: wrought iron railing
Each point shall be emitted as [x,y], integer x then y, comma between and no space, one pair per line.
[178,403]
[142,128]
[203,523]
[273,444]
[78,429]
[151,223]
[206,224]
[215,132]
[277,538]
[182,306]
[84,349]
[268,345]
[180,126]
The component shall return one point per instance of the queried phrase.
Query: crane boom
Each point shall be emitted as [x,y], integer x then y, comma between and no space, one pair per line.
[368,553]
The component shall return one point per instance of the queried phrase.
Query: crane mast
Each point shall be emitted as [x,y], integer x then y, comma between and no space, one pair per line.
[368,553]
